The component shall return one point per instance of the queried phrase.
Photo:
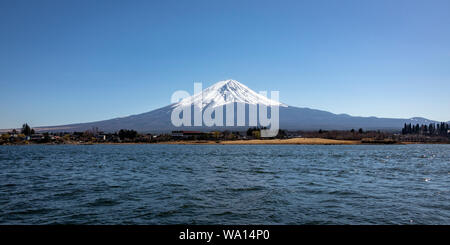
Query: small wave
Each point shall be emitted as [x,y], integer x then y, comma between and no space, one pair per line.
[342,193]
[68,193]
[166,213]
[31,211]
[9,185]
[263,172]
[103,202]
[223,213]
[252,188]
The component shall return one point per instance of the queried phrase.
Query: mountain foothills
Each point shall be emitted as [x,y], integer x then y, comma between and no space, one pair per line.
[234,92]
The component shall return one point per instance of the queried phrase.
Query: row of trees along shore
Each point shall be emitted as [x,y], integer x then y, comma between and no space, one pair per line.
[440,129]
[432,133]
[353,134]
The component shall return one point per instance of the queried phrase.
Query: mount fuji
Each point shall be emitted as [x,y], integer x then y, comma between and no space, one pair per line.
[234,92]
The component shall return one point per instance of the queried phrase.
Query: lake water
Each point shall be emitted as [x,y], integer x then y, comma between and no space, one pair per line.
[225,184]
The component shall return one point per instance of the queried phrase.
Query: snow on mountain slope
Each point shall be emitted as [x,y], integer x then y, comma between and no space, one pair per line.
[225,92]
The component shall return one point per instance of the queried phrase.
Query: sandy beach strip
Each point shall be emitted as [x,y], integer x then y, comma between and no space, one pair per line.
[294,141]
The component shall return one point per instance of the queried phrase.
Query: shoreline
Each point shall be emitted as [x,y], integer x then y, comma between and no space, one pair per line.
[292,141]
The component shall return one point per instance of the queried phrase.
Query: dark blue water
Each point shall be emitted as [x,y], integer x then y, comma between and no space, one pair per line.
[225,184]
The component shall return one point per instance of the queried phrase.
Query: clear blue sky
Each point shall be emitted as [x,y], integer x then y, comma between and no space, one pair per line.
[79,61]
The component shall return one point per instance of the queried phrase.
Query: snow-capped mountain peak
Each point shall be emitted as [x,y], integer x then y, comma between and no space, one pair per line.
[225,92]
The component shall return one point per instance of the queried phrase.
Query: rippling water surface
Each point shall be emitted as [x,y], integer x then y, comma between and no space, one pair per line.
[225,184]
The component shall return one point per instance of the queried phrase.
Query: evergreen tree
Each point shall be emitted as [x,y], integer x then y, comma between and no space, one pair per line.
[26,130]
[431,129]
[127,134]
